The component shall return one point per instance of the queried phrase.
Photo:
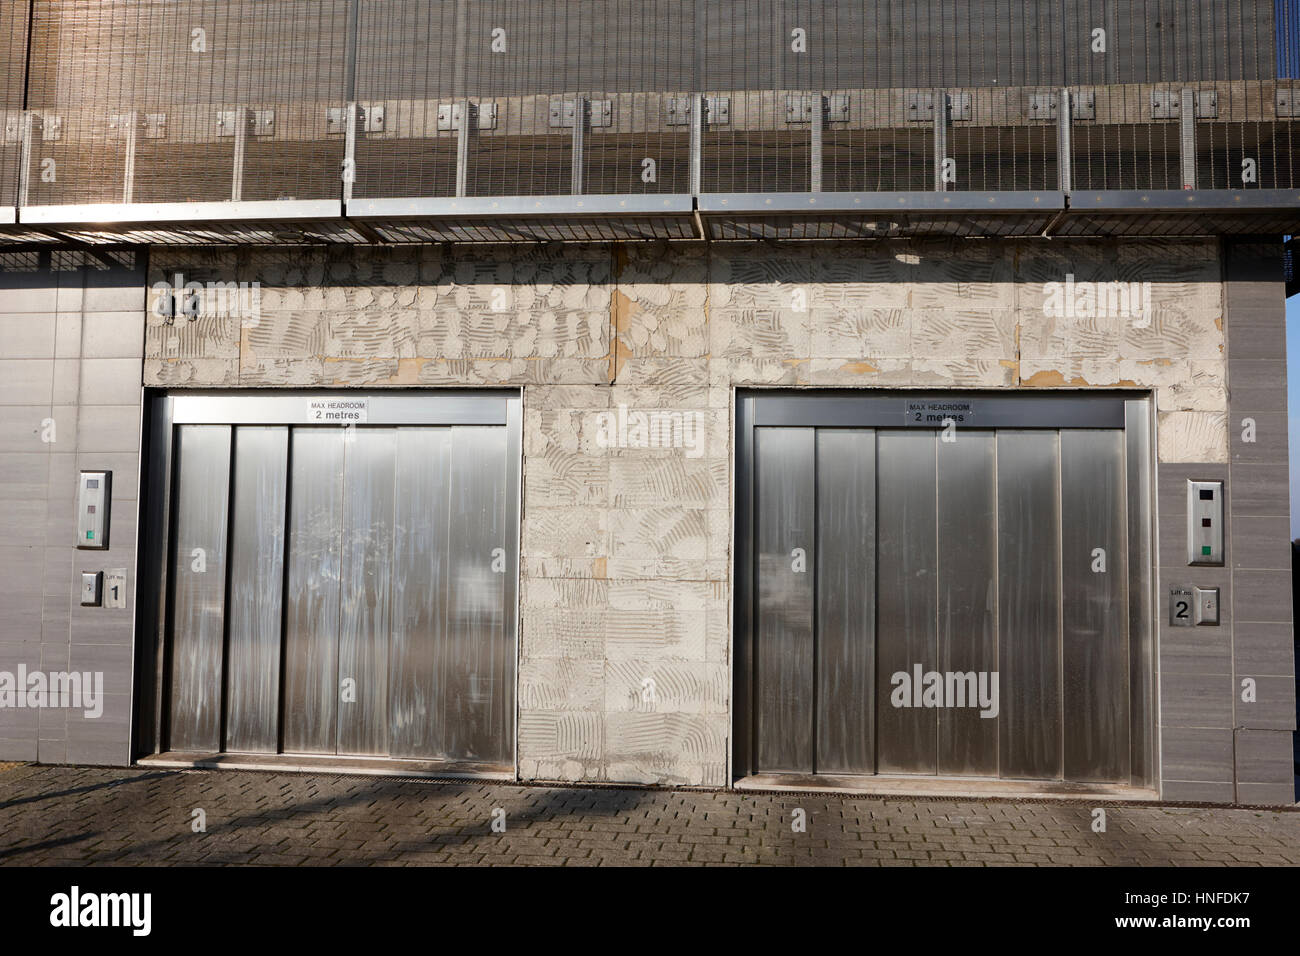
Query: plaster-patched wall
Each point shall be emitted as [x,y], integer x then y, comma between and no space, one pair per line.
[626,551]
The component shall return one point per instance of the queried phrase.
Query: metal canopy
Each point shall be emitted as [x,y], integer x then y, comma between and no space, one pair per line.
[878,215]
[528,218]
[1187,213]
[723,216]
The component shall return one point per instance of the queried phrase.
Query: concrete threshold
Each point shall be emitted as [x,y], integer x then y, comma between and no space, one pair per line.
[904,785]
[324,763]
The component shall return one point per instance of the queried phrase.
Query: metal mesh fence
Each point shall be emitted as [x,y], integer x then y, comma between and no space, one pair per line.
[212,100]
[150,101]
[13,75]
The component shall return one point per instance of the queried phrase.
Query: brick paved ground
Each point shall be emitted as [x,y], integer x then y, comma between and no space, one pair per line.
[68,815]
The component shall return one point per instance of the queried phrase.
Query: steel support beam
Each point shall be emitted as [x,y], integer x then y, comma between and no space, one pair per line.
[1187,138]
[128,178]
[579,143]
[349,151]
[241,145]
[940,138]
[1064,146]
[815,143]
[25,157]
[696,143]
[464,130]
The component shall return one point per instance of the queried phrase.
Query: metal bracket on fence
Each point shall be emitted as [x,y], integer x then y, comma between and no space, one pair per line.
[940,110]
[449,116]
[920,107]
[677,111]
[1287,102]
[566,113]
[801,108]
[1174,104]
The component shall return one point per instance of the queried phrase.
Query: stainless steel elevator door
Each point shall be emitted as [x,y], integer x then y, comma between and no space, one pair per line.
[995,560]
[342,591]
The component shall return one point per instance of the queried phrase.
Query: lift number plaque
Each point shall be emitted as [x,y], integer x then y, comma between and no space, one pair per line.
[1181,607]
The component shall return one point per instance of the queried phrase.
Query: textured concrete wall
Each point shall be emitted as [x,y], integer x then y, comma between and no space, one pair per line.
[71,341]
[625,600]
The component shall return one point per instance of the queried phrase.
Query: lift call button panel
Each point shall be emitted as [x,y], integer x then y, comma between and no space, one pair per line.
[1207,607]
[92,510]
[92,588]
[1205,523]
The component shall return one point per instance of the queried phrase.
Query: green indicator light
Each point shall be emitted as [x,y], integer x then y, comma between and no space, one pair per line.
[1205,549]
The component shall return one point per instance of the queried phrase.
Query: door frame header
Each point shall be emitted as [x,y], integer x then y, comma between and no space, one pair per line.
[970,409]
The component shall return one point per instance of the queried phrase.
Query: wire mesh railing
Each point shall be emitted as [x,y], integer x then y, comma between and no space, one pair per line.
[184,101]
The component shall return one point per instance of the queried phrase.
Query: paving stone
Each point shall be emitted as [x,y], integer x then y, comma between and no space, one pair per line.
[63,815]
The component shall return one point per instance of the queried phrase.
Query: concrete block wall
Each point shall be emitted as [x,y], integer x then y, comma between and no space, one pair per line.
[71,348]
[626,551]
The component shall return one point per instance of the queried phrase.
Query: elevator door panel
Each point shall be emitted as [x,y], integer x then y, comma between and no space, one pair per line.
[256,589]
[1029,604]
[199,585]
[1095,653]
[420,633]
[846,613]
[365,585]
[311,649]
[477,667]
[969,608]
[906,599]
[784,479]
[343,591]
[967,597]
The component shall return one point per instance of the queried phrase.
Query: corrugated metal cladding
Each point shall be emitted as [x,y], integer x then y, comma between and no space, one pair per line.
[213,100]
